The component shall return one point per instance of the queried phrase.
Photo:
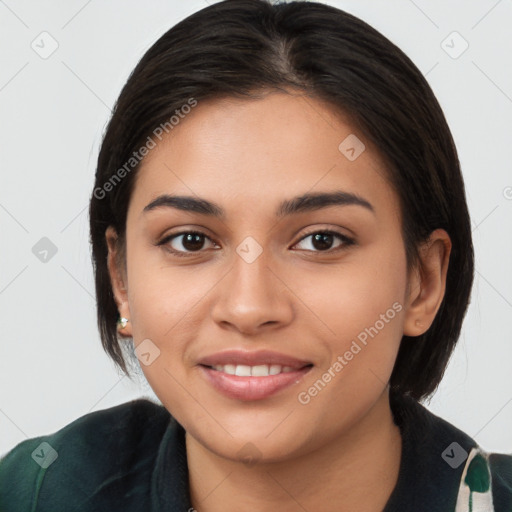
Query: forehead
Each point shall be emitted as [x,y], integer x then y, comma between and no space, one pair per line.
[260,151]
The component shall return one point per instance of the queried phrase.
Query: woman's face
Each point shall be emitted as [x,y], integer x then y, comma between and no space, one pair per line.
[265,277]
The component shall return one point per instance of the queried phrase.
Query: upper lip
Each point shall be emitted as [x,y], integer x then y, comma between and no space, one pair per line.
[254,358]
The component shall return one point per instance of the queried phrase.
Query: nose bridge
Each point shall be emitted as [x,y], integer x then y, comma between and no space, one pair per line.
[251,267]
[252,282]
[251,295]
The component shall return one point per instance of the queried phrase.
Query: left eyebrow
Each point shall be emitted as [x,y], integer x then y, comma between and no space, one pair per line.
[319,200]
[298,204]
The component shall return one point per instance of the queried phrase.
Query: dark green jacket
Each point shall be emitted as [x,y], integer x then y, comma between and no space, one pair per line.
[132,457]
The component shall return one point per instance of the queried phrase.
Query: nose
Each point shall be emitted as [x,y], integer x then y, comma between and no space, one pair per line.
[253,297]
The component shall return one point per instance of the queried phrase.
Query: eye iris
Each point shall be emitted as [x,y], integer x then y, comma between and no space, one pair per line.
[193,241]
[322,241]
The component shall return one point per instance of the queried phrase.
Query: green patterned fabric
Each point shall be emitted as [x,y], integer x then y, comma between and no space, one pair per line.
[476,485]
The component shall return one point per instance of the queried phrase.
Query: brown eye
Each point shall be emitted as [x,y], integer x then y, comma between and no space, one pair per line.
[322,241]
[185,242]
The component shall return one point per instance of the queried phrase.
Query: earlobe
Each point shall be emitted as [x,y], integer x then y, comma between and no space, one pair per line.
[118,282]
[428,284]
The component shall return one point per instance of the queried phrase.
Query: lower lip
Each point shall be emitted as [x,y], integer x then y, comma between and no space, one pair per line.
[251,388]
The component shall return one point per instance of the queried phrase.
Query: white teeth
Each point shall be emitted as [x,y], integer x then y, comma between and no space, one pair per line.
[261,370]
[229,368]
[242,370]
[275,369]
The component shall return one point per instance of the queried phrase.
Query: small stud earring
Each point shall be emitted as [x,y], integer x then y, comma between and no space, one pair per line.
[418,323]
[121,323]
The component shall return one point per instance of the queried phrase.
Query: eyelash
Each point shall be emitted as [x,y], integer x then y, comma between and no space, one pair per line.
[345,239]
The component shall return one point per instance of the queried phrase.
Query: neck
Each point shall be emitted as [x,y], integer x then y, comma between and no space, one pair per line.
[358,471]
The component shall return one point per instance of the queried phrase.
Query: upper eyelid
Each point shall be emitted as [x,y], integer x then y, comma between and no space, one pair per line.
[331,231]
[166,239]
[345,239]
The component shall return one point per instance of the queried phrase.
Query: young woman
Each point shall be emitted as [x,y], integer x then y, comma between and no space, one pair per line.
[281,238]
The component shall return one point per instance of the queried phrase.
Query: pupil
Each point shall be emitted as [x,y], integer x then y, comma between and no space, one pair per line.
[322,241]
[192,241]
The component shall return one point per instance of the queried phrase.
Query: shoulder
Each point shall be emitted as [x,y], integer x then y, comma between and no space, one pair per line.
[102,448]
[454,470]
[500,465]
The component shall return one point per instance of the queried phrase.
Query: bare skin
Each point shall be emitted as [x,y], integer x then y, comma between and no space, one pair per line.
[337,450]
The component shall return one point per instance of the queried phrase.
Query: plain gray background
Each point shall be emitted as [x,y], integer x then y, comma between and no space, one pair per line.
[54,110]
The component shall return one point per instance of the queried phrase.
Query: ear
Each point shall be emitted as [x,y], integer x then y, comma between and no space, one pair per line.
[118,279]
[427,283]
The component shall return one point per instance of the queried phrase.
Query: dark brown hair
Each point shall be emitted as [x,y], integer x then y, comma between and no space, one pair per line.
[240,48]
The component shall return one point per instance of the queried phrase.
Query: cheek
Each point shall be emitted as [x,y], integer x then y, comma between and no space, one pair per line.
[167,303]
[353,294]
[162,300]
[359,310]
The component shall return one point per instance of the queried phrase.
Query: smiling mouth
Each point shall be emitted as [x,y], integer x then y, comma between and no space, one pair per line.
[260,370]
[253,382]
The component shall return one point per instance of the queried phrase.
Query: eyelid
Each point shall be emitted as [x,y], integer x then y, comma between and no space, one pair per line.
[345,239]
[168,238]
